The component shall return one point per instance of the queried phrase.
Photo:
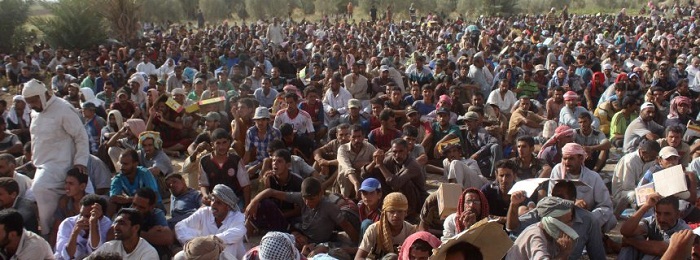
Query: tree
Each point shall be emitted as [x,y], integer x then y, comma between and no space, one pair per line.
[73,24]
[160,11]
[122,16]
[14,14]
[216,9]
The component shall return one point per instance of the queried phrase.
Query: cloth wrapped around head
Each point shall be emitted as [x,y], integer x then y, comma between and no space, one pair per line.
[203,248]
[570,95]
[549,209]
[35,88]
[136,126]
[394,201]
[446,100]
[118,118]
[404,253]
[561,131]
[573,149]
[157,142]
[278,245]
[675,102]
[460,208]
[226,194]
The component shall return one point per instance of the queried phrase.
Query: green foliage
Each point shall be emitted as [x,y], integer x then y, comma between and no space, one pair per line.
[121,16]
[160,11]
[73,24]
[189,8]
[216,10]
[266,9]
[14,14]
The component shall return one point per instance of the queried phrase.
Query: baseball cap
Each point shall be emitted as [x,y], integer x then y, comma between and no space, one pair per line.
[383,68]
[198,80]
[667,152]
[370,185]
[354,103]
[471,115]
[212,116]
[410,110]
[646,105]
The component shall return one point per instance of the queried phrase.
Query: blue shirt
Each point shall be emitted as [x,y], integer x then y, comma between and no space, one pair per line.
[144,179]
[423,108]
[183,206]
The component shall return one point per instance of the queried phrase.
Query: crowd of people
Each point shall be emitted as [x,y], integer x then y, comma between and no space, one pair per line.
[317,138]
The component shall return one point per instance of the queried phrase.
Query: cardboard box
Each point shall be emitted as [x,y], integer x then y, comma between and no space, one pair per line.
[448,198]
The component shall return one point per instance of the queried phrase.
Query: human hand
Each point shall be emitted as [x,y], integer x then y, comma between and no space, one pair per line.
[251,210]
[81,168]
[581,204]
[652,200]
[203,146]
[682,243]
[96,213]
[517,198]
[565,243]
[378,157]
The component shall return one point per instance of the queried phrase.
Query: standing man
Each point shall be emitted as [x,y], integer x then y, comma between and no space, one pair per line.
[59,142]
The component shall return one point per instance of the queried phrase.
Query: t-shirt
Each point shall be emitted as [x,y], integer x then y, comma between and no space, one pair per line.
[184,205]
[595,138]
[9,141]
[143,250]
[316,223]
[302,122]
[438,133]
[369,240]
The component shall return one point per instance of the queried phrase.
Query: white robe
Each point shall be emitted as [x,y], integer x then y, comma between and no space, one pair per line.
[59,141]
[201,223]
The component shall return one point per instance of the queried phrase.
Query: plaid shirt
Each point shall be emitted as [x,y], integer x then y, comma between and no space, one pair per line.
[252,140]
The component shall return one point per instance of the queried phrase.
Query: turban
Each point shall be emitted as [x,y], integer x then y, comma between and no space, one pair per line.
[573,149]
[157,142]
[570,95]
[35,88]
[203,248]
[675,102]
[137,126]
[446,99]
[278,245]
[395,201]
[549,209]
[227,195]
[422,235]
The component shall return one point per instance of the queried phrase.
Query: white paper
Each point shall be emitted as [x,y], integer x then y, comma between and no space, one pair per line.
[670,181]
[527,185]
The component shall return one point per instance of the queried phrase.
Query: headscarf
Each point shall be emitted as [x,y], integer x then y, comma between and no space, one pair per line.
[460,208]
[392,202]
[278,245]
[405,251]
[89,96]
[572,149]
[12,115]
[561,131]
[35,88]
[294,89]
[673,110]
[446,99]
[550,208]
[597,77]
[138,78]
[157,142]
[560,82]
[203,248]
[227,195]
[117,117]
[570,95]
[165,69]
[621,76]
[136,126]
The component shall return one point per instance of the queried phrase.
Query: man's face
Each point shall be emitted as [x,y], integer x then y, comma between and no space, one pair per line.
[472,203]
[572,163]
[261,123]
[291,104]
[647,114]
[585,124]
[376,109]
[558,96]
[683,109]
[34,103]
[570,103]
[356,138]
[148,146]
[243,110]
[668,162]
[7,199]
[648,156]
[371,198]
[219,208]
[88,113]
[523,148]
[123,228]
[674,139]
[427,93]
[343,135]
[221,146]
[141,204]
[505,178]
[525,104]
[400,153]
[176,185]
[567,218]
[279,165]
[7,169]
[477,100]
[666,216]
[396,217]
[416,254]
[73,186]
[312,201]
[128,165]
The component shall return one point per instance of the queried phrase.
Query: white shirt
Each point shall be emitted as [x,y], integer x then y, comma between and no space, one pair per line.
[505,103]
[358,89]
[338,102]
[147,68]
[82,249]
[202,223]
[31,246]
[143,250]
[25,186]
[481,76]
[59,141]
[302,123]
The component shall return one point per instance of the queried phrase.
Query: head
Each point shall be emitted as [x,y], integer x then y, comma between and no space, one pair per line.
[176,184]
[564,189]
[75,183]
[11,227]
[356,136]
[221,141]
[129,160]
[558,94]
[371,192]
[342,133]
[35,94]
[7,165]
[668,157]
[674,136]
[281,161]
[9,190]
[648,150]
[573,156]
[127,224]
[505,174]
[387,118]
[292,100]
[144,201]
[463,251]
[311,192]
[88,202]
[647,112]
[666,212]
[584,121]
[395,207]
[525,146]
[399,149]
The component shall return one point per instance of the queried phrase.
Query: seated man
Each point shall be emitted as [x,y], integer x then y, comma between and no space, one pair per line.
[528,165]
[460,170]
[353,117]
[370,205]
[127,243]
[669,157]
[183,201]
[483,147]
[622,119]
[401,173]
[628,173]
[318,213]
[497,192]
[326,156]
[441,131]
[258,137]
[352,157]
[473,207]
[21,243]
[584,223]
[381,137]
[649,237]
[131,178]
[9,198]
[151,156]
[222,219]
[593,141]
[69,203]
[644,127]
[299,119]
[374,242]
[279,177]
[524,122]
[223,166]
[154,227]
[81,234]
[674,138]
[594,196]
[551,150]
[569,113]
[300,145]
[8,169]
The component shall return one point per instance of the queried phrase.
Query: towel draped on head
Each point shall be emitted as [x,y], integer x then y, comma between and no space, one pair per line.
[394,201]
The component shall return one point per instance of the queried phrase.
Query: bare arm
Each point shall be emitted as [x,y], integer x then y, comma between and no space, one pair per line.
[159,236]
